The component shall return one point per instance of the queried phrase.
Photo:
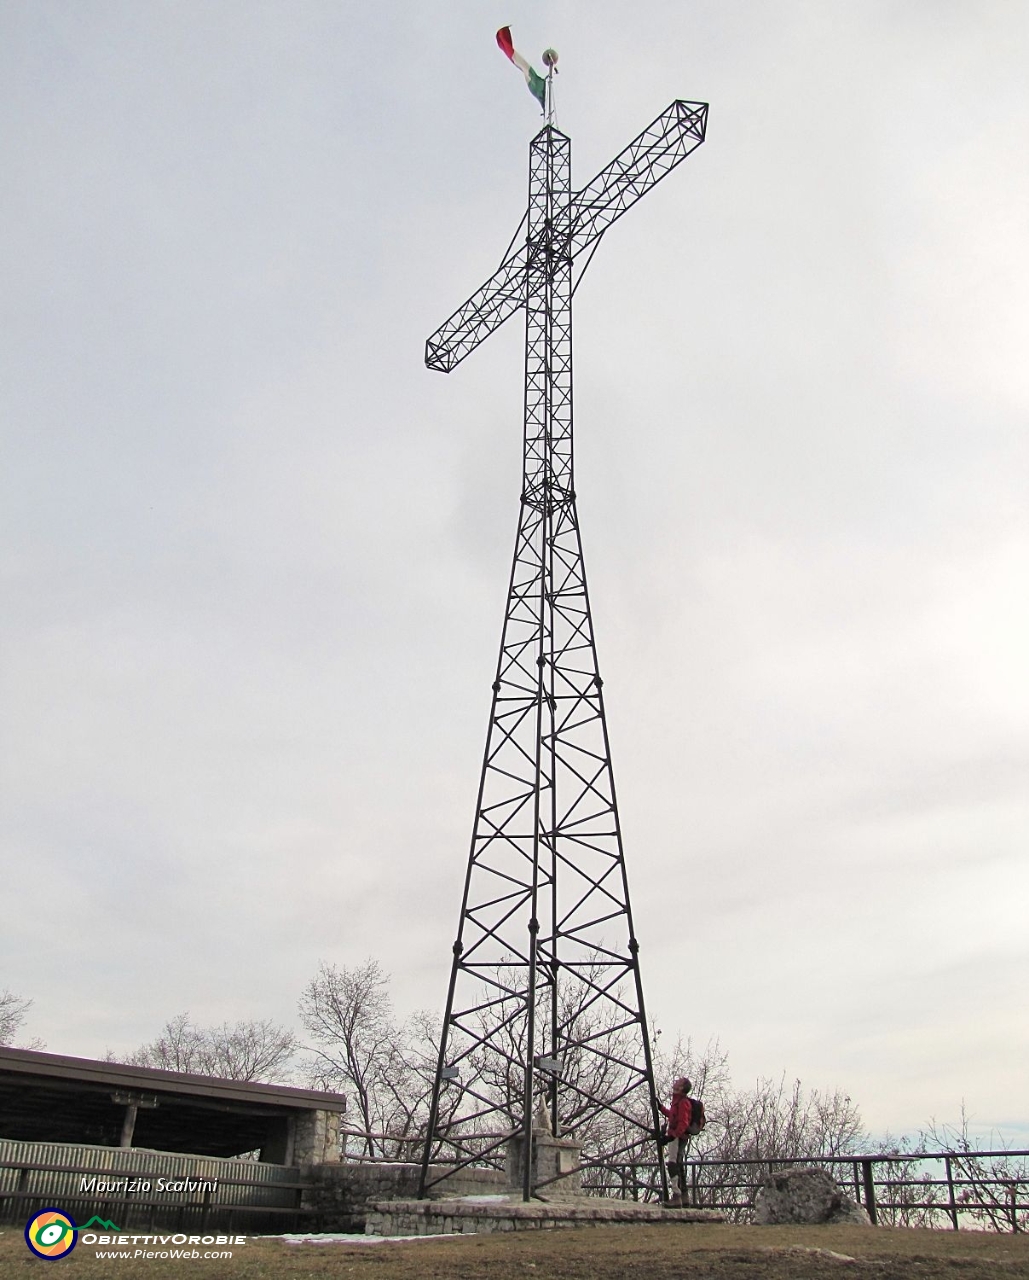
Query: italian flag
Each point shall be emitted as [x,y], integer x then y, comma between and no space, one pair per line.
[537,84]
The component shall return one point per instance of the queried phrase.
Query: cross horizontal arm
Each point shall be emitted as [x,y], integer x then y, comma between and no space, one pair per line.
[489,306]
[662,145]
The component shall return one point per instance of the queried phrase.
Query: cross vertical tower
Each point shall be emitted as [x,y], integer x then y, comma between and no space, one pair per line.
[545,1002]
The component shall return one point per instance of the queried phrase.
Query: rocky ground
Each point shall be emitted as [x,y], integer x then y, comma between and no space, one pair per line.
[663,1252]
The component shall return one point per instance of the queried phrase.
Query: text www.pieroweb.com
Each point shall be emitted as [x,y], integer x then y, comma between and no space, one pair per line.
[180,1247]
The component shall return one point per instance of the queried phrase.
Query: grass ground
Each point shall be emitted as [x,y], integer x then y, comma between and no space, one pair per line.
[662,1252]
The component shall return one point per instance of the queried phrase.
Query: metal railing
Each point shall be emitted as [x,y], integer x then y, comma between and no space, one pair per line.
[982,1189]
[416,1143]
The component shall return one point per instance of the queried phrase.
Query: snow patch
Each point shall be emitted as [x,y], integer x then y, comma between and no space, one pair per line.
[342,1237]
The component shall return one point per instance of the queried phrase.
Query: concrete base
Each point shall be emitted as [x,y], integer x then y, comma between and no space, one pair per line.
[555,1164]
[342,1195]
[478,1215]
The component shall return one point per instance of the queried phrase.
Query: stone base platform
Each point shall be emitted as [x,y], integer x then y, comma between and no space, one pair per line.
[478,1215]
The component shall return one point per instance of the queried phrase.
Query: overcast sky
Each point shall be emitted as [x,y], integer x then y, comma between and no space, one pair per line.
[254,555]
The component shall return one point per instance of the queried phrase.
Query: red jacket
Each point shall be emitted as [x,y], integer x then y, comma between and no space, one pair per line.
[679,1115]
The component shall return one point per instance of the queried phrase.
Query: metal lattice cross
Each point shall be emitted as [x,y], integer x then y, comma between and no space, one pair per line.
[545,1003]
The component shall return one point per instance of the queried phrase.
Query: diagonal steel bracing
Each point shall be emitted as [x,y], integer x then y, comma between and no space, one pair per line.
[546,962]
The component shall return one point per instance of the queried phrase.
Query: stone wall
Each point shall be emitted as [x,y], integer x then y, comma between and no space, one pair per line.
[408,1222]
[341,1193]
[456,1217]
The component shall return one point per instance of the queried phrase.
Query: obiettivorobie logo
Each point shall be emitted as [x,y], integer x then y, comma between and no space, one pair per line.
[52,1233]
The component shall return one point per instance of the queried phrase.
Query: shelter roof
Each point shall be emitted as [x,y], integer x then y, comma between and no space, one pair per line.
[30,1063]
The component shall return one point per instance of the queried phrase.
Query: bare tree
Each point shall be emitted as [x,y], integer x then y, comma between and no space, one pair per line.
[13,1010]
[358,1045]
[756,1127]
[769,1121]
[387,1067]
[179,1047]
[251,1050]
[245,1050]
[776,1121]
[990,1189]
[411,1093]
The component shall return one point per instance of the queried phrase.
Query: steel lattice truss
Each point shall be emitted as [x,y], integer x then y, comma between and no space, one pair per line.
[545,1002]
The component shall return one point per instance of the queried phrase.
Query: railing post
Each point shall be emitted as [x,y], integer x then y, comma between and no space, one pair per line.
[869,1181]
[18,1201]
[205,1211]
[951,1202]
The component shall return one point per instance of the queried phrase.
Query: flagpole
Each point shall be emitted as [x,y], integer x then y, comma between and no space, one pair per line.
[550,62]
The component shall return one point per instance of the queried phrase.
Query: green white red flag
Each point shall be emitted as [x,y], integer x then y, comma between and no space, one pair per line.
[537,84]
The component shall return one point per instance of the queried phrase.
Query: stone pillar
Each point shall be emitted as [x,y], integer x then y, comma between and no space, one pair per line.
[316,1137]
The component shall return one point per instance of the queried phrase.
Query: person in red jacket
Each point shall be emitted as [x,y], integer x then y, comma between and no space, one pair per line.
[677,1116]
